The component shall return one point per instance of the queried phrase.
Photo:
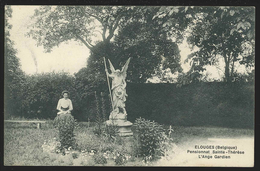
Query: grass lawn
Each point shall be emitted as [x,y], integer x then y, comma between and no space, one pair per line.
[23,144]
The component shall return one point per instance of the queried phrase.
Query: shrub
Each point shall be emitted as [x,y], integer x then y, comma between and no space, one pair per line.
[65,124]
[111,132]
[98,129]
[148,135]
[99,158]
[120,159]
[124,153]
[75,155]
[165,146]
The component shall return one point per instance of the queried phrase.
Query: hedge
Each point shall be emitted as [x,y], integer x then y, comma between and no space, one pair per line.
[201,104]
[196,104]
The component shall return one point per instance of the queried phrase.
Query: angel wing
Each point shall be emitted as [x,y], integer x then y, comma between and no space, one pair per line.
[125,67]
[111,66]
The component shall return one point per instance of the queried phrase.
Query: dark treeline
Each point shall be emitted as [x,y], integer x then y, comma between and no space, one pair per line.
[196,104]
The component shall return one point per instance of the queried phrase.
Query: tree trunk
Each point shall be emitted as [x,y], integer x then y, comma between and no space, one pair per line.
[232,69]
[227,75]
[227,72]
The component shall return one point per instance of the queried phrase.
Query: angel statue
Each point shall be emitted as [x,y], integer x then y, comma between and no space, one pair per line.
[118,89]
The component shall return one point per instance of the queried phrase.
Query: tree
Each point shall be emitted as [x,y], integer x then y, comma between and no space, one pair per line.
[224,31]
[193,74]
[143,38]
[175,20]
[14,77]
[56,24]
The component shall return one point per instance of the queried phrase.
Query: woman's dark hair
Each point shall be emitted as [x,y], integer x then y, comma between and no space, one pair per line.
[65,91]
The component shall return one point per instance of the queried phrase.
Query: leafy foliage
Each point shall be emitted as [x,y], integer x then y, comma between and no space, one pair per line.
[175,20]
[99,158]
[56,24]
[99,120]
[218,32]
[41,93]
[193,75]
[66,124]
[224,31]
[148,46]
[150,136]
[120,159]
[231,105]
[14,77]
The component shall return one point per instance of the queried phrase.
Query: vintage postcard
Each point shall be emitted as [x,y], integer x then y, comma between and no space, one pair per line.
[90,85]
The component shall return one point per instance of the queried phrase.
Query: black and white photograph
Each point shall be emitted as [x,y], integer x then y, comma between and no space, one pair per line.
[125,85]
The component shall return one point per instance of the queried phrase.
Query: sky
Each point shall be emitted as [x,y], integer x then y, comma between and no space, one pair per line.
[69,57]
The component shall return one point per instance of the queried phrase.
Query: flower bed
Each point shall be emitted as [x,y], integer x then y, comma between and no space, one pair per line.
[101,149]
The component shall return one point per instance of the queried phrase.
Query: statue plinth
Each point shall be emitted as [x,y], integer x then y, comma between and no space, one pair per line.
[119,120]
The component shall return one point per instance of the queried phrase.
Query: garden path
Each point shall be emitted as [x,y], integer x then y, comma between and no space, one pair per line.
[182,157]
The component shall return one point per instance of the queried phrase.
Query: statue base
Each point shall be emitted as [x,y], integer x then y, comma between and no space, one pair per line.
[124,126]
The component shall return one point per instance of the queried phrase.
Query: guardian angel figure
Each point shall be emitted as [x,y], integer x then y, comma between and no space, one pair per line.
[118,87]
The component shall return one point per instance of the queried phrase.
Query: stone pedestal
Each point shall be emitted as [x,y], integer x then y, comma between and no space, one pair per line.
[119,120]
